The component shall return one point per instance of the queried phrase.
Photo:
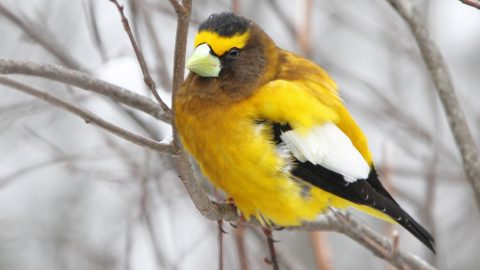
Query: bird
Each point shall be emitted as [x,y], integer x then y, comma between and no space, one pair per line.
[270,129]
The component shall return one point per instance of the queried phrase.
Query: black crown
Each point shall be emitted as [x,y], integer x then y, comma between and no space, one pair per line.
[226,24]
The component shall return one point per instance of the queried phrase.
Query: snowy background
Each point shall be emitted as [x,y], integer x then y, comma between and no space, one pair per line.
[75,197]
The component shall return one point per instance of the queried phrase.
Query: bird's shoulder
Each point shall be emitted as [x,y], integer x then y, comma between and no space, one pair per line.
[300,93]
[304,96]
[295,68]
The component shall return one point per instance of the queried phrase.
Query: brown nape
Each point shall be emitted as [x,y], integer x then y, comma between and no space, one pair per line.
[241,76]
[255,65]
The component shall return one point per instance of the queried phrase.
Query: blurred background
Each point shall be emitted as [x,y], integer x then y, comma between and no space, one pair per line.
[75,197]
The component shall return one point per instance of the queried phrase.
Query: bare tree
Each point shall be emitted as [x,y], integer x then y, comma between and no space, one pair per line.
[170,151]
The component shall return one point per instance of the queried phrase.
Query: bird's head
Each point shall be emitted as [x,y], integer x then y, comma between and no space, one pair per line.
[233,51]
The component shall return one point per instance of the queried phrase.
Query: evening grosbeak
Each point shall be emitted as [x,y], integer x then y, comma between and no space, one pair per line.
[268,127]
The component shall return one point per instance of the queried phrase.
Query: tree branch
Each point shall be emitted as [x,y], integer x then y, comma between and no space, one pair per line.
[141,60]
[472,3]
[304,32]
[354,228]
[179,8]
[91,118]
[92,24]
[208,208]
[43,37]
[161,66]
[321,250]
[239,234]
[443,83]
[46,39]
[11,177]
[86,82]
[183,17]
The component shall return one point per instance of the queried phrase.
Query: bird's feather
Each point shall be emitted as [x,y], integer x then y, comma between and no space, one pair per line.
[366,191]
[326,145]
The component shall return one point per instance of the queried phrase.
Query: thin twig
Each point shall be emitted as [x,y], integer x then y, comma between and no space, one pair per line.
[135,15]
[443,83]
[141,60]
[162,67]
[395,248]
[395,241]
[91,19]
[51,146]
[149,128]
[127,253]
[358,231]
[286,259]
[235,6]
[46,39]
[304,30]
[271,248]
[472,3]
[179,8]
[321,250]
[431,175]
[86,82]
[145,213]
[11,177]
[43,37]
[91,118]
[240,242]
[220,233]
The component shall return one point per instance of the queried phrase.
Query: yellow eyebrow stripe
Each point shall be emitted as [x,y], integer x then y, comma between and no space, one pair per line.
[221,44]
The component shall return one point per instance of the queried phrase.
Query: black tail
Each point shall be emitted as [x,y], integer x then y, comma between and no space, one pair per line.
[416,229]
[394,210]
[369,192]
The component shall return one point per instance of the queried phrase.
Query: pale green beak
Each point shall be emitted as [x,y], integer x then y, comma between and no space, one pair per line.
[203,62]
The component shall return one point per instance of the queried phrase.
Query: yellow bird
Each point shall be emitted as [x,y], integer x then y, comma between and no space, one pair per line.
[268,127]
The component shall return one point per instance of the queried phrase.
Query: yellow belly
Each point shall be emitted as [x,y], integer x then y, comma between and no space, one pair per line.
[239,159]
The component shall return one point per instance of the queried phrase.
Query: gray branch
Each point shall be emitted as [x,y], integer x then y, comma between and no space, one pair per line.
[472,3]
[354,228]
[43,37]
[443,83]
[91,118]
[86,82]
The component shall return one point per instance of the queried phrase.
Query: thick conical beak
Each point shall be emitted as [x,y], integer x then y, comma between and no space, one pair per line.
[203,62]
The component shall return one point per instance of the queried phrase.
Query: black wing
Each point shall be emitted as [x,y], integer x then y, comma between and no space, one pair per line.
[369,192]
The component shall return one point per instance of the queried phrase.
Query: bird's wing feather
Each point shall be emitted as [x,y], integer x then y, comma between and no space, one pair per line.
[286,101]
[314,135]
[313,80]
[319,139]
[367,191]
[326,145]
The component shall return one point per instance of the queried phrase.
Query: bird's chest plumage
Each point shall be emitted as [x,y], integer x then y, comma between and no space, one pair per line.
[238,156]
[226,142]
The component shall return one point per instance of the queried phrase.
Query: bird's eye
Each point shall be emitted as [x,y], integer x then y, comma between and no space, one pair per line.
[233,52]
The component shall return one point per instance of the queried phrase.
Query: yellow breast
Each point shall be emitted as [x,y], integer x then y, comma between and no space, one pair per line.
[238,157]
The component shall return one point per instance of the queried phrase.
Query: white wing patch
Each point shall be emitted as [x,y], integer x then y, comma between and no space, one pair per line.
[328,146]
